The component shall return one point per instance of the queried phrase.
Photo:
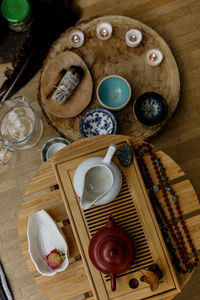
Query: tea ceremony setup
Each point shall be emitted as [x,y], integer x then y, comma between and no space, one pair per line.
[99,150]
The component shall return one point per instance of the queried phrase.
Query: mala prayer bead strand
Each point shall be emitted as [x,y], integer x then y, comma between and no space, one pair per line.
[169,226]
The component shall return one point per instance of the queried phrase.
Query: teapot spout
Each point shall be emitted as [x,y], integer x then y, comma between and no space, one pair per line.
[113,281]
[87,200]
[84,204]
[89,197]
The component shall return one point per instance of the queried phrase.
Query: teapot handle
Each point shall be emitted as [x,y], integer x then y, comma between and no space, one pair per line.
[111,150]
[113,281]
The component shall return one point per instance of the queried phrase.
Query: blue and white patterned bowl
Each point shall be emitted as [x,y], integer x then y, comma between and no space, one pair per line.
[98,121]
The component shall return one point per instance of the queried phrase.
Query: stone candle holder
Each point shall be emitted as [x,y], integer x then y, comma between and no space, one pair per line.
[104,30]
[76,38]
[154,57]
[133,37]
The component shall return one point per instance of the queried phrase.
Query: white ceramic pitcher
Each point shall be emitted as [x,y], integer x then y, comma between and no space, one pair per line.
[97,180]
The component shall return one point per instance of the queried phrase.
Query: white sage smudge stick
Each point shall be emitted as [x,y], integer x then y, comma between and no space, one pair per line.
[68,84]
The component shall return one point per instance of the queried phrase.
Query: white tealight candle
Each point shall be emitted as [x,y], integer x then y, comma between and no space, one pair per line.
[133,37]
[154,57]
[76,38]
[104,30]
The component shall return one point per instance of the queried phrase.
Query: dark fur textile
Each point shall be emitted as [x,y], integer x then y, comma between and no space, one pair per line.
[50,19]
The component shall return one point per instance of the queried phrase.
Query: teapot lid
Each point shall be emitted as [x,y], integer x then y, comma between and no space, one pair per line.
[112,249]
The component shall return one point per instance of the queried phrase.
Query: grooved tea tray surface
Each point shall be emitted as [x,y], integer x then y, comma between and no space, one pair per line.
[132,211]
[125,214]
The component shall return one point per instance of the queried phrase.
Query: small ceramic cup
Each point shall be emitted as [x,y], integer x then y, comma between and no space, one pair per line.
[98,121]
[52,146]
[113,92]
[150,108]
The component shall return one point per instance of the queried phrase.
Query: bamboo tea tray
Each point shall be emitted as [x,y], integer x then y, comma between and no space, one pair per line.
[132,211]
[110,57]
[43,192]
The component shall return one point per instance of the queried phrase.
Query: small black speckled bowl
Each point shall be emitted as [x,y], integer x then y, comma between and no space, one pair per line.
[150,108]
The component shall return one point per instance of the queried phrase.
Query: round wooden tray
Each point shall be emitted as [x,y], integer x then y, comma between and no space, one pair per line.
[113,56]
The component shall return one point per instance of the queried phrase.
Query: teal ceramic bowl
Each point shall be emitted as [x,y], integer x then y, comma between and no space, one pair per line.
[113,92]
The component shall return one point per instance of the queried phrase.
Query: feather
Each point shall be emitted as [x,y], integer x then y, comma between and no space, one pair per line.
[50,19]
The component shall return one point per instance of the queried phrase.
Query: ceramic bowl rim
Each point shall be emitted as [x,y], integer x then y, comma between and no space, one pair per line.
[160,97]
[118,107]
[48,143]
[98,109]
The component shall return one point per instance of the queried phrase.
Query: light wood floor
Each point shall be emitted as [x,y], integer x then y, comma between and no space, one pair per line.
[178,22]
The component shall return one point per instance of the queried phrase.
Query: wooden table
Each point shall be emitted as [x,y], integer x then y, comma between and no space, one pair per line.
[43,193]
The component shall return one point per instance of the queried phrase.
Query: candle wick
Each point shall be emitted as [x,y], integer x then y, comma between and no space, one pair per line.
[76,39]
[133,38]
[104,32]
[153,57]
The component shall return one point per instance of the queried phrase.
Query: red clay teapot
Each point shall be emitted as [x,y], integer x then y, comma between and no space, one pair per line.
[112,250]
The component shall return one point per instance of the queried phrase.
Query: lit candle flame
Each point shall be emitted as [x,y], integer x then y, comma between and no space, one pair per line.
[104,32]
[153,57]
[76,39]
[133,38]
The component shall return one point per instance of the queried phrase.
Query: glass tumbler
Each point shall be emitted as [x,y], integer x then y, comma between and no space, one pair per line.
[20,127]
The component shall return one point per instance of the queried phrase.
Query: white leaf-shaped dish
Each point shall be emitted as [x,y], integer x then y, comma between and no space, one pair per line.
[44,236]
